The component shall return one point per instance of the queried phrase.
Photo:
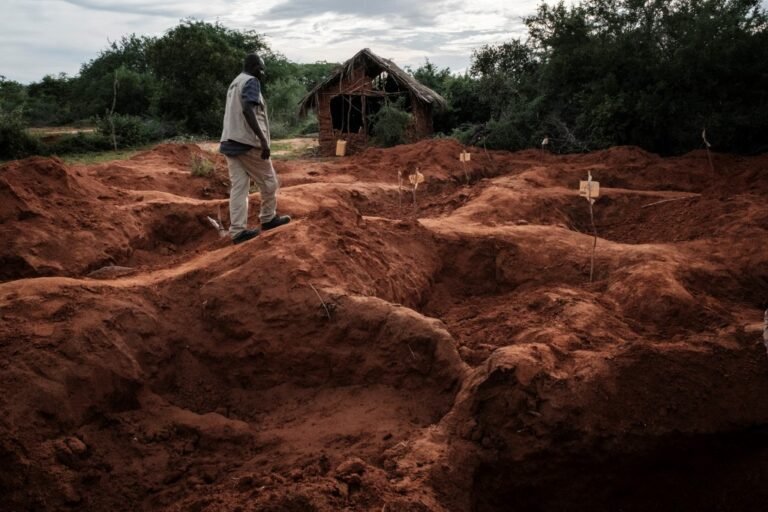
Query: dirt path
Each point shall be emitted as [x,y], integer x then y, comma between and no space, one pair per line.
[468,364]
[294,147]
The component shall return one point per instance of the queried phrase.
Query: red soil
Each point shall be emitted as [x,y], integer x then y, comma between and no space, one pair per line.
[468,364]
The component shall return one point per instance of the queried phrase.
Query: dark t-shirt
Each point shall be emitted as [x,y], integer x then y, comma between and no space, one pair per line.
[251,96]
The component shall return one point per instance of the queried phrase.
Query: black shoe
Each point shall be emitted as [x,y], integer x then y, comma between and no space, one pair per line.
[277,220]
[245,235]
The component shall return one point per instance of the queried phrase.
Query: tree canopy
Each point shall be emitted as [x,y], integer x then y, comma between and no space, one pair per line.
[651,73]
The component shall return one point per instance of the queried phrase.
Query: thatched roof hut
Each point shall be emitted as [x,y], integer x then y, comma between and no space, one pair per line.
[357,89]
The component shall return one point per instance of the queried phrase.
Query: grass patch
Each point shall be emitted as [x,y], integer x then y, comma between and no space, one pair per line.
[200,166]
[289,149]
[102,156]
[48,131]
[284,151]
[280,146]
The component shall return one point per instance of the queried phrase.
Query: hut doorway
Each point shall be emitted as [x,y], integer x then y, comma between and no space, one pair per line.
[350,113]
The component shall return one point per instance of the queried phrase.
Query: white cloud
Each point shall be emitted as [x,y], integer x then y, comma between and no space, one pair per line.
[39,37]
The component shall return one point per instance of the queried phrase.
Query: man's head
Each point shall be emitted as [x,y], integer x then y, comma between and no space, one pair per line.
[254,65]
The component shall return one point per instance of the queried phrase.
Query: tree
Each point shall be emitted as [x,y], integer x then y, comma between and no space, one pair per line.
[49,101]
[14,140]
[434,78]
[194,63]
[651,73]
[286,84]
[465,102]
[127,61]
[13,95]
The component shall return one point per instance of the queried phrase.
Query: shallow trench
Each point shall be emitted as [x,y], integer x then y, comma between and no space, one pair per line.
[370,379]
[486,307]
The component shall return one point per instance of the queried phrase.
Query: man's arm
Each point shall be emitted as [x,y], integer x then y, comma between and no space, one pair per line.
[251,98]
[250,118]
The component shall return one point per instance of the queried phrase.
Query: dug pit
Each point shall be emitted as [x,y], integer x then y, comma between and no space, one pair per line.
[371,356]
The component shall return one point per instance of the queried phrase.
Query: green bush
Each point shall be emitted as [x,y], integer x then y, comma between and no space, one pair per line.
[280,130]
[15,142]
[603,73]
[80,143]
[465,133]
[310,125]
[133,130]
[390,124]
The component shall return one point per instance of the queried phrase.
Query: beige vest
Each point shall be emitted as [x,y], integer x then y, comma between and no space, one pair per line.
[235,126]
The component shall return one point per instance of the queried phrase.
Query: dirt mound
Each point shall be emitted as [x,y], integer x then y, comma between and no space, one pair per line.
[179,169]
[438,160]
[380,353]
[177,155]
[52,218]
[70,220]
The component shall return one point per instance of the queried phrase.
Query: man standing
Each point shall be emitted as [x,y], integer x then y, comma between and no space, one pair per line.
[245,143]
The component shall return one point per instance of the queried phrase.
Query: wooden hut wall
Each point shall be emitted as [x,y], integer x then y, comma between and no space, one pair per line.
[422,119]
[356,83]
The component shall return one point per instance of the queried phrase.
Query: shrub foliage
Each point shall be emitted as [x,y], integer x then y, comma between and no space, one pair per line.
[652,73]
[390,123]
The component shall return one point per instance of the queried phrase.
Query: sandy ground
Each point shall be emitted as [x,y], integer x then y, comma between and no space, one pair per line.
[378,355]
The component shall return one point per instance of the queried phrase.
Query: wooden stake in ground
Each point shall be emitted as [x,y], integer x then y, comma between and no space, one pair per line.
[415,179]
[493,164]
[465,157]
[400,189]
[591,191]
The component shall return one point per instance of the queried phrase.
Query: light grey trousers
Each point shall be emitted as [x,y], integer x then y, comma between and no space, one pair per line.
[242,169]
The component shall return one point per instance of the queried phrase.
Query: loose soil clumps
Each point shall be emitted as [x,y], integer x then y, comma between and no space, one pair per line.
[376,354]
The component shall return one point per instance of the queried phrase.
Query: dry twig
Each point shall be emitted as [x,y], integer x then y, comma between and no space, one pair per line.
[327,312]
[112,112]
[669,200]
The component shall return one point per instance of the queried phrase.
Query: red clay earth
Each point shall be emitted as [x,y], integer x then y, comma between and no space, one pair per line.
[376,355]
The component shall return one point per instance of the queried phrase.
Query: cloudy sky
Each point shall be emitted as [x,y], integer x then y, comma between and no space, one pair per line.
[39,37]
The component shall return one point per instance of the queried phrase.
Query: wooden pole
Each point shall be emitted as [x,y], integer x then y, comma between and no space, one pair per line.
[349,116]
[594,228]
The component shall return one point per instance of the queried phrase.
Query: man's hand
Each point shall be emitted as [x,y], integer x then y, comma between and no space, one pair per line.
[265,152]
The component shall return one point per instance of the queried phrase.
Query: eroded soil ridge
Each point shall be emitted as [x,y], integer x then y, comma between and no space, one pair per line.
[443,351]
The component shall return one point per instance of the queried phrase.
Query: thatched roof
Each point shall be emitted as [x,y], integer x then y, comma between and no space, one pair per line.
[372,61]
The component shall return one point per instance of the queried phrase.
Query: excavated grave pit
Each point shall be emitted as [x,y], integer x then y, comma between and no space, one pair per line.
[468,362]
